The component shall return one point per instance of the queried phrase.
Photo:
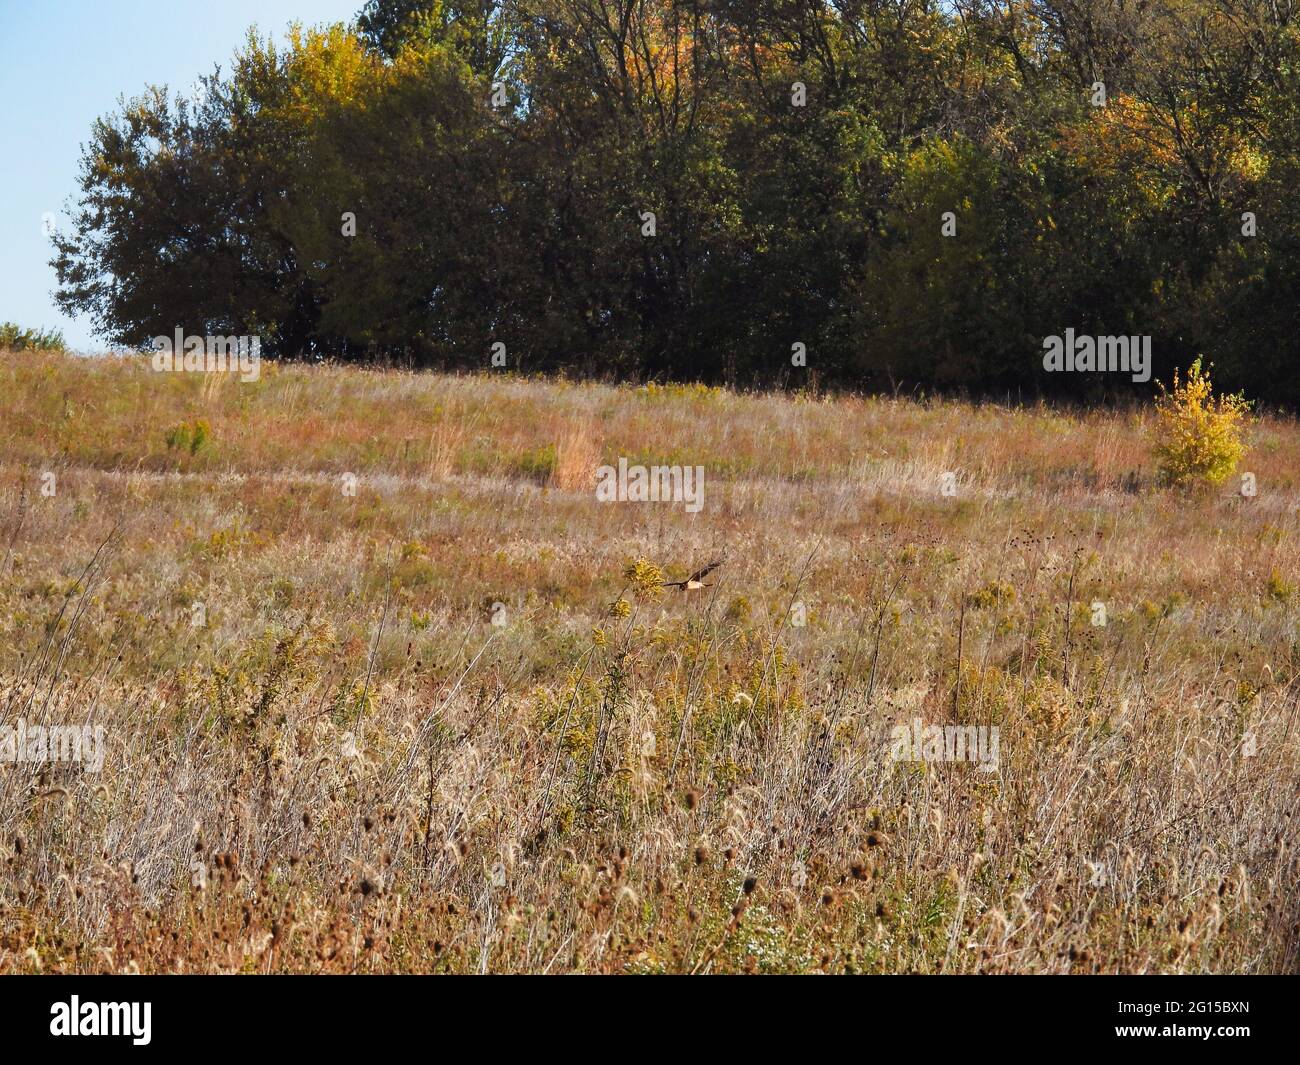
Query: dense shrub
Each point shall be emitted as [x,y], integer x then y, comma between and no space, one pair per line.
[15,338]
[1198,433]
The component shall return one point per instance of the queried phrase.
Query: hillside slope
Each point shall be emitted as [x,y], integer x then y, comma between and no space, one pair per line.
[385,687]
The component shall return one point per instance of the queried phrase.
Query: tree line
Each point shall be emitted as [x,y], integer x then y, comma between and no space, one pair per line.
[880,194]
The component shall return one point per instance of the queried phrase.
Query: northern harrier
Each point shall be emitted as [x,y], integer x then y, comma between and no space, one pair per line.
[696,579]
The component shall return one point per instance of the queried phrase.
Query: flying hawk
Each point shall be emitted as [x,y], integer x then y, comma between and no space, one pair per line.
[696,579]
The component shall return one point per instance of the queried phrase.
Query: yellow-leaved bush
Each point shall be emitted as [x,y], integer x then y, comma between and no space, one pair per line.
[1198,434]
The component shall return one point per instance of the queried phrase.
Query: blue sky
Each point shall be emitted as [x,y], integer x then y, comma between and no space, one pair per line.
[63,63]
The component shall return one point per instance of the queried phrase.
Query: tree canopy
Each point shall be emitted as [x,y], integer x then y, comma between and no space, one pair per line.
[915,192]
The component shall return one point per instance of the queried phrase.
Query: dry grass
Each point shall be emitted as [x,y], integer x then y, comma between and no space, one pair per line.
[576,459]
[349,767]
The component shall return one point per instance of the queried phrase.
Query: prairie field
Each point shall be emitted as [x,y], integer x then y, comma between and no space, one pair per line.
[386,688]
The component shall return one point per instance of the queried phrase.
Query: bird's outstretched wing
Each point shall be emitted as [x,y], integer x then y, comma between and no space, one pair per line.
[700,574]
[697,576]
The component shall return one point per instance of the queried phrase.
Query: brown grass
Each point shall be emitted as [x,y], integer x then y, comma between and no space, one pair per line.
[351,768]
[576,460]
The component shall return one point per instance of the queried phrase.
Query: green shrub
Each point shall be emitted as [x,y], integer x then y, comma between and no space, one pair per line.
[189,436]
[15,338]
[537,464]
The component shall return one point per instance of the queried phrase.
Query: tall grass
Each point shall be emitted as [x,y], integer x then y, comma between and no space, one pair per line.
[324,755]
